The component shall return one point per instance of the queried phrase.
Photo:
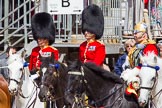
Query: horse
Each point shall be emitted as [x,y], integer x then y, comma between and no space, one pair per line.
[53,81]
[103,88]
[21,86]
[151,78]
[5,97]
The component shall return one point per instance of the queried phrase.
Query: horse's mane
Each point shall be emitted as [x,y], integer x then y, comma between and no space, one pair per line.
[76,66]
[102,72]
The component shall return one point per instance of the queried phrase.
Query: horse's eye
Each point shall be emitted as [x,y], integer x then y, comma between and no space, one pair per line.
[50,87]
[153,79]
[21,69]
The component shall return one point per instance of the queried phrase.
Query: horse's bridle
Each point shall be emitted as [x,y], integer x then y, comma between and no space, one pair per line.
[55,74]
[78,96]
[19,83]
[153,67]
[20,80]
[21,77]
[78,73]
[155,82]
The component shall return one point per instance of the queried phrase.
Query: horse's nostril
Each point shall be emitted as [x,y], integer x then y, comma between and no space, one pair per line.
[13,91]
[142,104]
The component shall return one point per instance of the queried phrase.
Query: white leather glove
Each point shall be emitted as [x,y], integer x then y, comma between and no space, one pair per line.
[135,82]
[33,77]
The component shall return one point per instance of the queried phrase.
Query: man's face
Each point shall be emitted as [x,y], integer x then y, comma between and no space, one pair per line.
[42,42]
[139,37]
[89,35]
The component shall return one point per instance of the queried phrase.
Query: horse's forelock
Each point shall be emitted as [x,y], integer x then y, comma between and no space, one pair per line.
[104,74]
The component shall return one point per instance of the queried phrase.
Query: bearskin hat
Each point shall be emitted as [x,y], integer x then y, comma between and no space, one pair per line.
[93,20]
[43,27]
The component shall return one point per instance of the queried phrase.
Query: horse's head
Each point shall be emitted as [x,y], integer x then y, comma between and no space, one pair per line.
[49,78]
[15,66]
[148,75]
[76,82]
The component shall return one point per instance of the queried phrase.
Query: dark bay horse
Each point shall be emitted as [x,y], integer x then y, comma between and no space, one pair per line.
[103,88]
[53,81]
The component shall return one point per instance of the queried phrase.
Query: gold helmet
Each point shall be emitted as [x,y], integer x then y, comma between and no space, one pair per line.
[140,27]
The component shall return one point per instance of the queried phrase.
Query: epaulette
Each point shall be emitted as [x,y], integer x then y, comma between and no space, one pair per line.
[148,42]
[100,42]
[53,47]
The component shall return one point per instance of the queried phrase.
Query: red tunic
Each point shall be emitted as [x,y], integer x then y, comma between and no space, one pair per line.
[92,52]
[34,57]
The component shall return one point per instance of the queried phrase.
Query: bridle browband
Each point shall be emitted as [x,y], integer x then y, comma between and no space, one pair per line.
[3,67]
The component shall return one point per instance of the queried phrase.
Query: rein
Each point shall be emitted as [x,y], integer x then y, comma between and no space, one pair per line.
[34,101]
[107,97]
[3,67]
[101,99]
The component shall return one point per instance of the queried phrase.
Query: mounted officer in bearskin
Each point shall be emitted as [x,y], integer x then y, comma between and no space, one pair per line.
[43,30]
[93,50]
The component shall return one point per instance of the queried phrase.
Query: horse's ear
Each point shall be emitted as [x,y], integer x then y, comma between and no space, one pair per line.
[10,52]
[23,53]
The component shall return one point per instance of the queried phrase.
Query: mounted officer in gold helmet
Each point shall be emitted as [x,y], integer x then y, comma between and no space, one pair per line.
[142,47]
[141,38]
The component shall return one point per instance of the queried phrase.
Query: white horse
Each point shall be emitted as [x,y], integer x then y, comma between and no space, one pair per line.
[151,81]
[20,85]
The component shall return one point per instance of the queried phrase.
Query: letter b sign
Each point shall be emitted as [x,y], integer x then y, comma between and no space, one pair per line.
[65,3]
